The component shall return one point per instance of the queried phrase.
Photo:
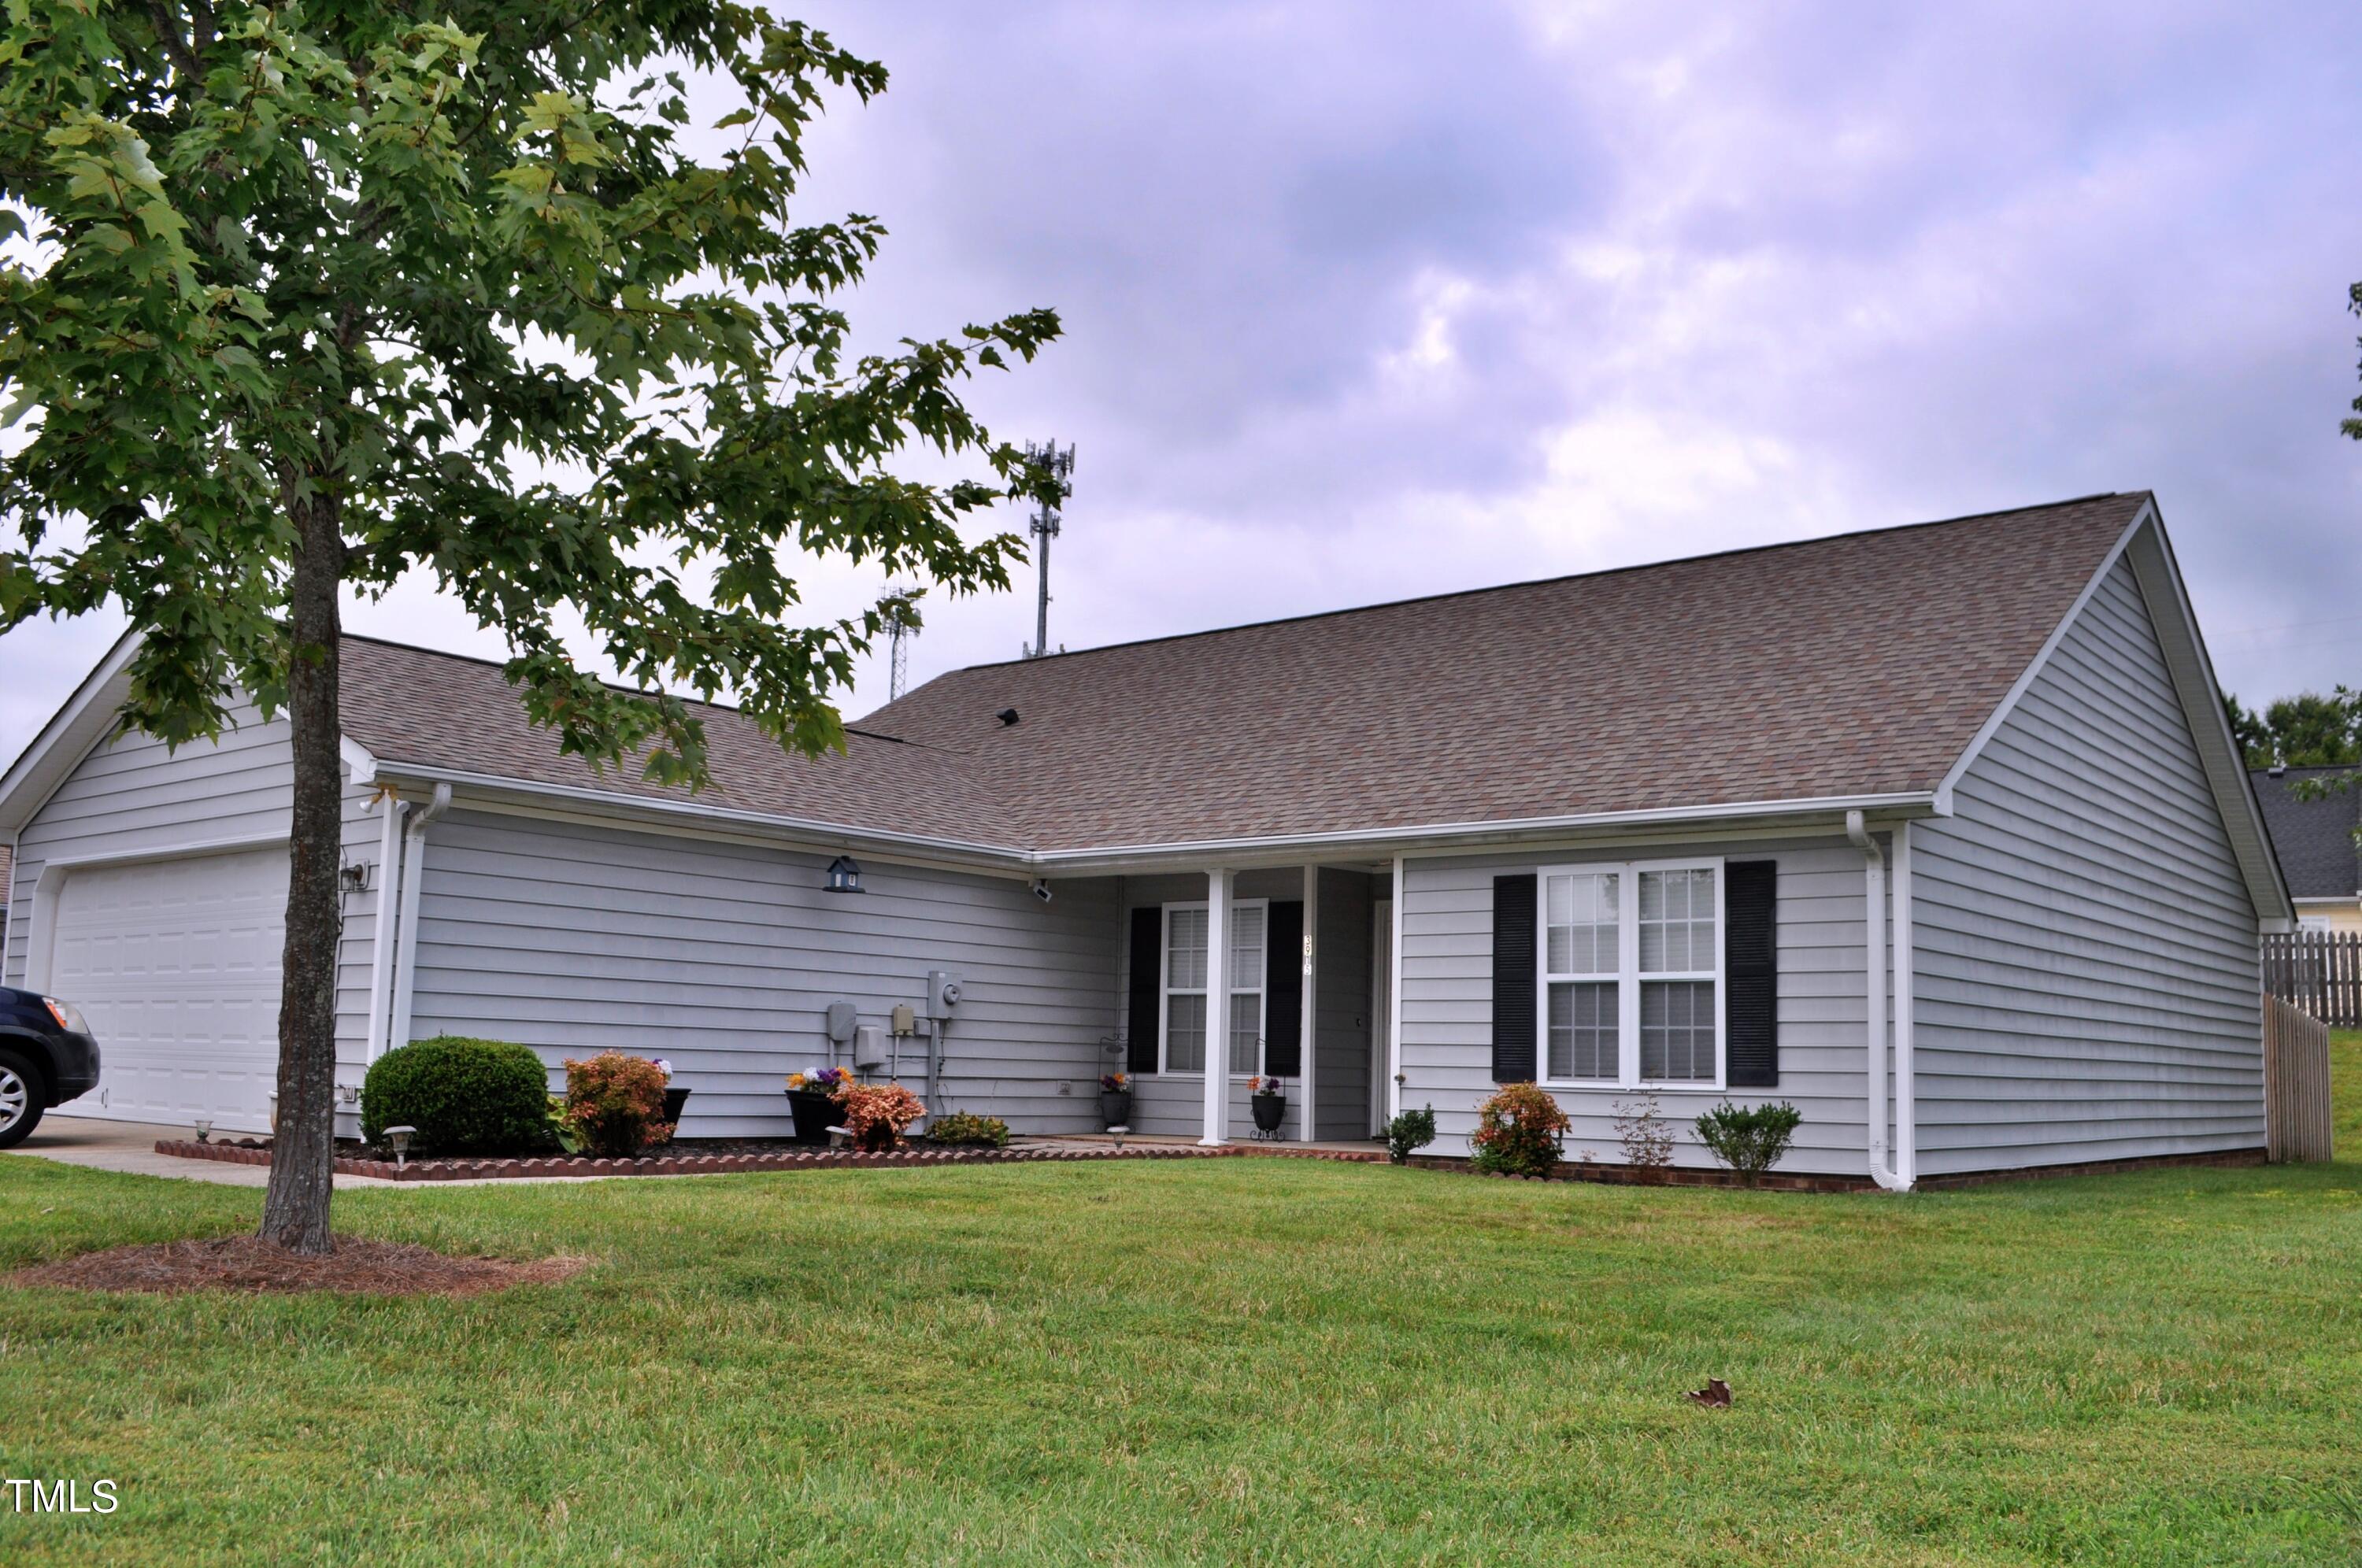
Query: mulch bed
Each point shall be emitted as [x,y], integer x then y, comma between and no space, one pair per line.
[252,1263]
[677,1160]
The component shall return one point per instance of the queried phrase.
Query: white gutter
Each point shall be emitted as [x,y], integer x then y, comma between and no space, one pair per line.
[406,956]
[1874,987]
[1113,859]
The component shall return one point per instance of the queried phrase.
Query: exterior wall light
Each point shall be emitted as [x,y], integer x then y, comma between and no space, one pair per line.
[844,876]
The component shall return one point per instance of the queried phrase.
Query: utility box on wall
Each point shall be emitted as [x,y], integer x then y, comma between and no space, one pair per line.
[942,994]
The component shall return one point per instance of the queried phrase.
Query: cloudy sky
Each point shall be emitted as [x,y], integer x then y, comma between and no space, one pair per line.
[1365,300]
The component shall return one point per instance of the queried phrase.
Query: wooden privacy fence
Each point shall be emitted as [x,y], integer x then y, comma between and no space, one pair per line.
[2296,1084]
[2320,972]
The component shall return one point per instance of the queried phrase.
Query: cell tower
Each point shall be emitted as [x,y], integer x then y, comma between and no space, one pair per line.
[900,606]
[1060,466]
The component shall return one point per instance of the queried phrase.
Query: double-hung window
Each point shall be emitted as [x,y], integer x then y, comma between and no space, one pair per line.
[1187,1009]
[1631,962]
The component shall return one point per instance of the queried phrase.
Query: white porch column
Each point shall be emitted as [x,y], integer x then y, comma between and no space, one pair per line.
[1394,998]
[1218,1010]
[1305,1129]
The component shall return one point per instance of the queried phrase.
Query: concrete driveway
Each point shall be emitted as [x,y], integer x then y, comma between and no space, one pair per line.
[131,1146]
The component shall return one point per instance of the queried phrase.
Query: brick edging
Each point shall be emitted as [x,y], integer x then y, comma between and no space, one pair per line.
[834,1159]
[1775,1181]
[692,1164]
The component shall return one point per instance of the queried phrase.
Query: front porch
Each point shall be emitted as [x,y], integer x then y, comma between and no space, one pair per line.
[1230,976]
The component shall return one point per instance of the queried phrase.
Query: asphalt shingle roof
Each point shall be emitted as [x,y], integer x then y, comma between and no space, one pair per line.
[1862,664]
[2314,839]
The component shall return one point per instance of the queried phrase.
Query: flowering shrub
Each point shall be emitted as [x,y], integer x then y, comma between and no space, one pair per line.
[615,1104]
[876,1113]
[829,1081]
[1518,1132]
[962,1127]
[1115,1083]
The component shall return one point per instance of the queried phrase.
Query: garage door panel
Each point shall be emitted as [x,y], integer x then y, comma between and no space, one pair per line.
[177,965]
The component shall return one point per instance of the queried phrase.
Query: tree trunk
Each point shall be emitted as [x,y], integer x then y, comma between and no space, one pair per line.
[295,1211]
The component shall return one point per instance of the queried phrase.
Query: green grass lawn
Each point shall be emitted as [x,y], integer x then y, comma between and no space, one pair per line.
[1239,1359]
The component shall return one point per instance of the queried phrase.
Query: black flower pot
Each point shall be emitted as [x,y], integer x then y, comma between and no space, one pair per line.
[1115,1108]
[675,1101]
[1269,1110]
[815,1113]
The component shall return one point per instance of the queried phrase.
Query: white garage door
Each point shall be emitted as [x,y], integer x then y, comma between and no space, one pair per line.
[176,963]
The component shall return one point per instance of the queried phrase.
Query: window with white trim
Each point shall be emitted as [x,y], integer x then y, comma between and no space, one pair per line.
[1632,975]
[1186,1010]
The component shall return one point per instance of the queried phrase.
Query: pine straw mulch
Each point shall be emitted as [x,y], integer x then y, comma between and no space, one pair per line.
[250,1264]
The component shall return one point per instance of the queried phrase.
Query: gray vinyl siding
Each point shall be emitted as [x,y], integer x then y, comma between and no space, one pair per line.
[1341,1020]
[722,956]
[1447,1003]
[1176,1107]
[132,795]
[2086,954]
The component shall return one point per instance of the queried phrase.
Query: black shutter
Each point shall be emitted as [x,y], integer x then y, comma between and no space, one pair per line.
[1283,983]
[1749,904]
[1147,980]
[1514,979]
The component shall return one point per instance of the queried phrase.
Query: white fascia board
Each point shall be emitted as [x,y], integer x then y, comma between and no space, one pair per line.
[834,835]
[86,718]
[2162,589]
[1235,853]
[2025,679]
[1452,838]
[358,762]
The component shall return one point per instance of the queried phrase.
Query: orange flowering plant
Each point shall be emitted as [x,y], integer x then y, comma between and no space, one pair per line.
[876,1114]
[1518,1132]
[615,1104]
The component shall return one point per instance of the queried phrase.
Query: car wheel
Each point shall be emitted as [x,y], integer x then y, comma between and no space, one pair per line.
[20,1100]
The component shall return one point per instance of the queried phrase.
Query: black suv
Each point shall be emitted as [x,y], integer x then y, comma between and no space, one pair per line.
[47,1056]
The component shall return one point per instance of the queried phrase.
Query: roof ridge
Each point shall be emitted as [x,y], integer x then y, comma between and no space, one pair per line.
[1542,582]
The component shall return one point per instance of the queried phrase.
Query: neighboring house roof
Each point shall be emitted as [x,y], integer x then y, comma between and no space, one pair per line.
[2314,839]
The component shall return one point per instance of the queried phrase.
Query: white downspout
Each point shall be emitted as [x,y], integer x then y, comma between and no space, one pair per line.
[1906,1094]
[406,953]
[388,888]
[1874,960]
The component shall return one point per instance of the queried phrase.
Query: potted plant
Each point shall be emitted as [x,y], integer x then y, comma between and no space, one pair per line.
[811,1099]
[675,1099]
[1115,1099]
[1268,1101]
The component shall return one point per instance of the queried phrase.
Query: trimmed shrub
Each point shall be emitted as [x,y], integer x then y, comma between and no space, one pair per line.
[465,1096]
[1518,1132]
[615,1104]
[1749,1141]
[968,1130]
[1408,1133]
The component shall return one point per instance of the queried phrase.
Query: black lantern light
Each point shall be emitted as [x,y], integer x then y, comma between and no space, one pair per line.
[844,876]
